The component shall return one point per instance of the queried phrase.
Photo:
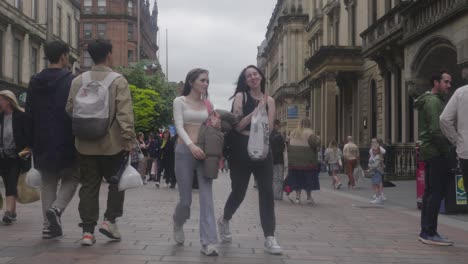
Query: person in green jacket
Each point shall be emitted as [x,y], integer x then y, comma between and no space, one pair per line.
[434,152]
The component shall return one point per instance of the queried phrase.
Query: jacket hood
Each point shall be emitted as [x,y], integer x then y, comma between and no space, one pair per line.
[48,80]
[422,99]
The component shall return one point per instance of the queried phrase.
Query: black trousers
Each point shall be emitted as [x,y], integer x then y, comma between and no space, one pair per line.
[436,181]
[10,170]
[241,168]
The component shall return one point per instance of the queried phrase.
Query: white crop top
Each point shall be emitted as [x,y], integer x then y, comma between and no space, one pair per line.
[184,115]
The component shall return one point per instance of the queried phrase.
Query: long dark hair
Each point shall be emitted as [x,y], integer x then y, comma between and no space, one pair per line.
[242,81]
[191,77]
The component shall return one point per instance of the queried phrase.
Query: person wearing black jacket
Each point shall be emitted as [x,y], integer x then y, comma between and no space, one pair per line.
[13,138]
[154,150]
[277,150]
[51,138]
[168,158]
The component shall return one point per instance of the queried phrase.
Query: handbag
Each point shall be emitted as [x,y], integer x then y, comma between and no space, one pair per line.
[259,138]
[130,177]
[26,193]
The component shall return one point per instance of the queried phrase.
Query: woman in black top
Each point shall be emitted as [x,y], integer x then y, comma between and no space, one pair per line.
[12,141]
[250,93]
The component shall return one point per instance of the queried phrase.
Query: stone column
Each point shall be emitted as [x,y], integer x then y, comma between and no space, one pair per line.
[8,42]
[329,99]
[25,60]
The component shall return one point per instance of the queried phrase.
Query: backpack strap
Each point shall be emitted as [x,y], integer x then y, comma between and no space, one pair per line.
[86,78]
[110,79]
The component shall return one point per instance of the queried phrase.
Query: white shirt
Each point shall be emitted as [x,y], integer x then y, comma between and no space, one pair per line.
[184,115]
[454,121]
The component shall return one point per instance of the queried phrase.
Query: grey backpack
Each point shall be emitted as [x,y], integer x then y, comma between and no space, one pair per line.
[90,118]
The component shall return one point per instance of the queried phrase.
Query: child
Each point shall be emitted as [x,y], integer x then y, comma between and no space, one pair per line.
[376,169]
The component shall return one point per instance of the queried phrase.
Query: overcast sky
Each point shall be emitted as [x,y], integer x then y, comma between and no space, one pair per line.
[219,35]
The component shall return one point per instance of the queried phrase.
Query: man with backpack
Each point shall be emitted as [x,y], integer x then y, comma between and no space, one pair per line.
[101,107]
[51,136]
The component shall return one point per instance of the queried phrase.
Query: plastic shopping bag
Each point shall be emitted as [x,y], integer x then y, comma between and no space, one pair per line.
[130,178]
[26,194]
[33,177]
[358,173]
[259,142]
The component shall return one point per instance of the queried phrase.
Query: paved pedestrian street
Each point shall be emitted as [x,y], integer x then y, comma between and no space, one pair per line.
[340,228]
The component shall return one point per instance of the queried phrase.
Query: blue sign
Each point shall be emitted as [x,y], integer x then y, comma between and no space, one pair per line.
[172,130]
[293,112]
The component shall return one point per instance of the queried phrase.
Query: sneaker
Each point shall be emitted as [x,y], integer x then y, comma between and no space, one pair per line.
[383,197]
[310,200]
[434,240]
[46,233]
[224,231]
[110,230]
[209,250]
[339,186]
[88,239]
[377,200]
[179,236]
[157,185]
[374,197]
[272,246]
[9,218]
[298,201]
[55,223]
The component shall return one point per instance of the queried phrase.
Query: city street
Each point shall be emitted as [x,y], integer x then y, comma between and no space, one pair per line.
[342,227]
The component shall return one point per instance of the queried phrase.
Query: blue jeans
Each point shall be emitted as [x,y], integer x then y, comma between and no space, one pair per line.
[436,181]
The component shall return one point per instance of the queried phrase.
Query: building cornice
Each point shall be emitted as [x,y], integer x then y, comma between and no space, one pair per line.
[108,16]
[335,59]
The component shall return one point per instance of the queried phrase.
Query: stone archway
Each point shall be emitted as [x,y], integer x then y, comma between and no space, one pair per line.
[435,54]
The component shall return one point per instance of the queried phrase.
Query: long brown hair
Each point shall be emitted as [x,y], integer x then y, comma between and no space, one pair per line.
[191,77]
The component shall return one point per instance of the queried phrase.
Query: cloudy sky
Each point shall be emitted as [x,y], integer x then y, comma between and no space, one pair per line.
[219,35]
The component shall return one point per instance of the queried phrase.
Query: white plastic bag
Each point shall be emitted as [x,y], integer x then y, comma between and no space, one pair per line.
[259,142]
[33,177]
[358,173]
[130,178]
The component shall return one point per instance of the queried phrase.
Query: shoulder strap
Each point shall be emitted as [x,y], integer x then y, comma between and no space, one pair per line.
[208,105]
[86,78]
[110,79]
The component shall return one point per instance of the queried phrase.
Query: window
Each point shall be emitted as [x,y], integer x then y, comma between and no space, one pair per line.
[372,11]
[59,21]
[130,56]
[352,24]
[130,8]
[19,5]
[69,30]
[34,60]
[87,60]
[130,31]
[16,60]
[88,6]
[373,109]
[388,5]
[101,6]
[102,28]
[77,30]
[88,30]
[34,9]
[1,53]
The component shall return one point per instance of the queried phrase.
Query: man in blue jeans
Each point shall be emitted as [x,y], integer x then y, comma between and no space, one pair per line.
[434,151]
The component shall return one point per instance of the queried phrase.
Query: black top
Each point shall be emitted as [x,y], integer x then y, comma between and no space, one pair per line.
[248,107]
[277,147]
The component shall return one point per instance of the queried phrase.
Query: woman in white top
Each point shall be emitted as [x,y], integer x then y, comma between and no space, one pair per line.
[333,157]
[190,112]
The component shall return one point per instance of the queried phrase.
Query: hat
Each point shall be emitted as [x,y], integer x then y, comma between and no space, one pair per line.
[12,98]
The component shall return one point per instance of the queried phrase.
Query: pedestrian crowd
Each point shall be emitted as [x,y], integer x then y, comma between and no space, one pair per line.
[78,131]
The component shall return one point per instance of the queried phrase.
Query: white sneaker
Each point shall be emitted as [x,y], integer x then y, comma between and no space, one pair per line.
[298,201]
[377,200]
[110,230]
[374,197]
[88,239]
[209,250]
[310,201]
[272,246]
[224,231]
[179,236]
[384,198]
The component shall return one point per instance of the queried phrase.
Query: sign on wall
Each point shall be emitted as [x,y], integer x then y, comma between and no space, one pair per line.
[293,112]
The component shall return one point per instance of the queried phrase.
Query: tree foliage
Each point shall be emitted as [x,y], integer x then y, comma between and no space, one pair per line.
[152,97]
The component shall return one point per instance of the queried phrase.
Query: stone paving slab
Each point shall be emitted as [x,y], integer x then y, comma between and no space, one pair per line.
[340,228]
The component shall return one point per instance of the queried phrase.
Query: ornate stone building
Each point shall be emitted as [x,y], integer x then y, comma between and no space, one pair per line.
[117,21]
[23,31]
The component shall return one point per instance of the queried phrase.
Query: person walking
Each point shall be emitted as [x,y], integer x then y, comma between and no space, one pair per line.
[13,139]
[303,161]
[376,143]
[433,151]
[376,170]
[167,159]
[101,155]
[333,157]
[250,94]
[190,112]
[52,140]
[277,149]
[351,155]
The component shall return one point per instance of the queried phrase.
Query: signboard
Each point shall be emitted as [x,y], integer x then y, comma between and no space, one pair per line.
[460,190]
[293,112]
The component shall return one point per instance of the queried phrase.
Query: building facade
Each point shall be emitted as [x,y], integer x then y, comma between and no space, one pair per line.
[354,67]
[117,21]
[23,32]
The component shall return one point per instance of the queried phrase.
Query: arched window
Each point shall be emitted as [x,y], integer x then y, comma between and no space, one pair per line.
[130,8]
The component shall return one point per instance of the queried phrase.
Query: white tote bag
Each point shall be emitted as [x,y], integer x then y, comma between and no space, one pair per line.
[33,177]
[259,139]
[130,178]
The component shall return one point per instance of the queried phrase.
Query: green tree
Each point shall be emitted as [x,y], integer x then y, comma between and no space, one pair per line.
[152,97]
